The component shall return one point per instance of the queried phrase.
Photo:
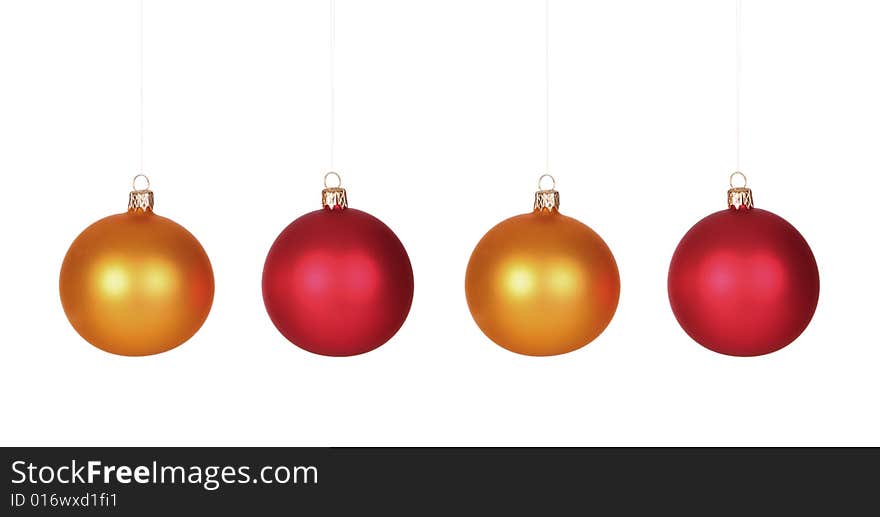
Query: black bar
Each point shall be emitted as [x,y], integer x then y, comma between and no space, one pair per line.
[288,481]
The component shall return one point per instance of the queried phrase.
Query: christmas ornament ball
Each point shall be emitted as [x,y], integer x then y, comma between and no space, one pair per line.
[743,281]
[542,283]
[337,281]
[136,283]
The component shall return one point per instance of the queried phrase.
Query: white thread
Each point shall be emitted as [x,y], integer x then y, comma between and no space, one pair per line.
[738,75]
[547,84]
[141,80]
[332,82]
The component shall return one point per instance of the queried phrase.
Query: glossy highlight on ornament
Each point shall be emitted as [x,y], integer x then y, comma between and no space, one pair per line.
[542,283]
[337,281]
[743,281]
[136,283]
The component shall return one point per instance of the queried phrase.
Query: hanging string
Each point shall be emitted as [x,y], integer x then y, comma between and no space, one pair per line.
[547,84]
[332,82]
[738,74]
[141,81]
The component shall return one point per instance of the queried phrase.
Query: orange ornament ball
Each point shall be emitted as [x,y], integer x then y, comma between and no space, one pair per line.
[542,283]
[136,283]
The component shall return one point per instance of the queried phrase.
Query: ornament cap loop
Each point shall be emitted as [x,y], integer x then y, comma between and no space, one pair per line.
[740,198]
[338,179]
[741,175]
[546,199]
[140,199]
[334,198]
[134,182]
[541,182]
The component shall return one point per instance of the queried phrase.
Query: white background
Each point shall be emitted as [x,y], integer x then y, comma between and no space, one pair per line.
[440,133]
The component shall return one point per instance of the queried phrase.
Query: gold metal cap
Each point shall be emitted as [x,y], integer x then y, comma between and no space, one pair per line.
[740,198]
[546,199]
[140,199]
[334,198]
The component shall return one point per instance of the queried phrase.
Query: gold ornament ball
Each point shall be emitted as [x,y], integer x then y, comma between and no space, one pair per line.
[136,284]
[542,284]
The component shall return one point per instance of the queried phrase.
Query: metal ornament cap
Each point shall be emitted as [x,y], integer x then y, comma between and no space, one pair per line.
[546,199]
[740,198]
[140,199]
[334,198]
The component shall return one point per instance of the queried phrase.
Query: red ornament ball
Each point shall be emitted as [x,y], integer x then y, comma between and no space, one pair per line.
[338,282]
[743,282]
